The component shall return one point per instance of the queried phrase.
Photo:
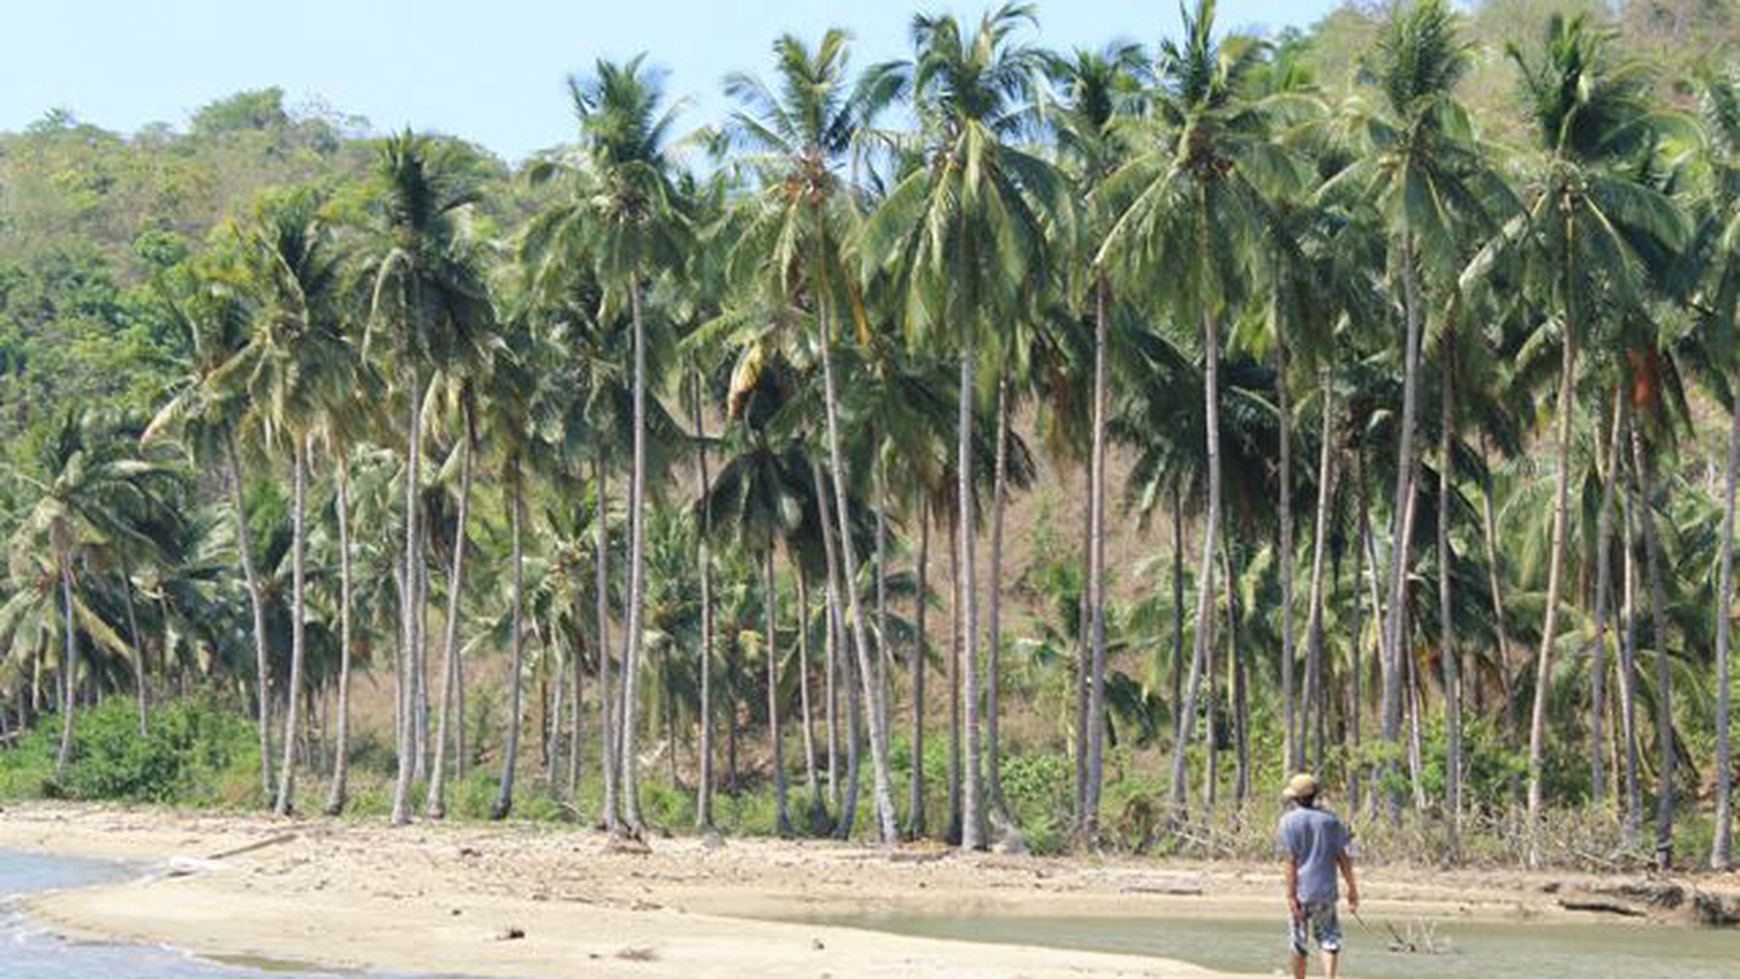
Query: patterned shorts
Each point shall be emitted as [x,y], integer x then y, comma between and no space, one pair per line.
[1318,921]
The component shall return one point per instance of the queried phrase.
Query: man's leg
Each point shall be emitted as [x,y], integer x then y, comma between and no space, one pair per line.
[1331,964]
[1298,936]
[1298,966]
[1327,931]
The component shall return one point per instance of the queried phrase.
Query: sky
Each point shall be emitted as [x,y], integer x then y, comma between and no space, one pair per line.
[491,71]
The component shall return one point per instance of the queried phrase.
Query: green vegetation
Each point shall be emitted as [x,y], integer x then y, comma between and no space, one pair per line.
[995,445]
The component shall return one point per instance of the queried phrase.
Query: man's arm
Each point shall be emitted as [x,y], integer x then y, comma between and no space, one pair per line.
[1290,867]
[1345,862]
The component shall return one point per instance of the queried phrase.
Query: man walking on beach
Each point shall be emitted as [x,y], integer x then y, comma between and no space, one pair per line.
[1313,846]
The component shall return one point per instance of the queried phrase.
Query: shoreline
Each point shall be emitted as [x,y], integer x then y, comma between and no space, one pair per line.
[534,900]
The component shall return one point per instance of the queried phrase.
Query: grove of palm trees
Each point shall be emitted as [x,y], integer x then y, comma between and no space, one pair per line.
[1003,446]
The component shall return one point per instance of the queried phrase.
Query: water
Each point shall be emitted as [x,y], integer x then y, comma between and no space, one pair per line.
[1603,950]
[29,952]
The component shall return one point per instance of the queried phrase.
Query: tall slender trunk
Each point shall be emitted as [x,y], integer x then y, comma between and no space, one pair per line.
[920,603]
[1409,664]
[1494,583]
[1096,583]
[999,817]
[1292,740]
[420,673]
[882,784]
[704,557]
[576,720]
[952,676]
[629,791]
[846,801]
[411,611]
[1721,847]
[1177,606]
[884,655]
[504,796]
[818,812]
[770,603]
[1664,712]
[256,604]
[69,669]
[1238,693]
[1084,649]
[451,680]
[1555,583]
[1205,573]
[1355,669]
[298,621]
[831,669]
[854,745]
[1319,552]
[336,799]
[1628,668]
[136,646]
[601,599]
[1405,485]
[552,706]
[1447,650]
[1379,620]
[1603,581]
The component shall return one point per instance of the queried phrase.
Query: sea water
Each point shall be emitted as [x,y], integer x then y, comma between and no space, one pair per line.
[28,951]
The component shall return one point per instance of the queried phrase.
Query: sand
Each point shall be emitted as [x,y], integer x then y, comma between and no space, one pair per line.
[525,900]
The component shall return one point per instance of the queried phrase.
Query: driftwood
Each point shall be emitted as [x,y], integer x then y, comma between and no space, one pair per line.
[1600,907]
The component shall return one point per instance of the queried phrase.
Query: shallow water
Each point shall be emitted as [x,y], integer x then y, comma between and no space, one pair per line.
[29,952]
[1604,950]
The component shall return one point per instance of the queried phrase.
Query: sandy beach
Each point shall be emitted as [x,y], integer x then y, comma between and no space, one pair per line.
[525,900]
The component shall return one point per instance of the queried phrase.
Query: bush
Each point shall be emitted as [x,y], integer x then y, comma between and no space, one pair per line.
[195,753]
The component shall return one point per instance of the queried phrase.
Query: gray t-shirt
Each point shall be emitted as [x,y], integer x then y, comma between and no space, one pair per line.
[1315,839]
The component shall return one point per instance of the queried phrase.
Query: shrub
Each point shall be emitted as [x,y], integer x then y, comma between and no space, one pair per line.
[195,753]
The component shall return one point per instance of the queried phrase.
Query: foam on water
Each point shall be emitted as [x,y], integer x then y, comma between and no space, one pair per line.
[28,951]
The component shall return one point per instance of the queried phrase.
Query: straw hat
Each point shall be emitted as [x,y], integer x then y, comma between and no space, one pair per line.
[1300,786]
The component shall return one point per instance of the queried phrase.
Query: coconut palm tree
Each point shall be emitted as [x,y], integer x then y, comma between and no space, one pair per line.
[965,234]
[1191,202]
[1585,236]
[427,300]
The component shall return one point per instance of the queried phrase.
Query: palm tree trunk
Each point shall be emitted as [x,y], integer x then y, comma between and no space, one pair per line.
[884,656]
[451,680]
[1084,649]
[704,557]
[1603,580]
[1096,583]
[1494,582]
[411,610]
[846,804]
[298,621]
[70,669]
[818,814]
[770,600]
[335,800]
[1721,847]
[1319,552]
[504,797]
[920,603]
[952,675]
[1205,568]
[142,690]
[1664,713]
[1176,703]
[1405,480]
[999,817]
[1355,669]
[1628,668]
[576,720]
[1378,614]
[636,571]
[882,784]
[1555,586]
[1236,685]
[601,597]
[1447,652]
[262,669]
[1292,740]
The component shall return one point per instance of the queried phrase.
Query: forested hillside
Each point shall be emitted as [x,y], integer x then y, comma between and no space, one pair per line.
[1051,446]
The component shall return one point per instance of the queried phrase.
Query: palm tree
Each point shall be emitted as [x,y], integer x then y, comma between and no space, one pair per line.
[965,233]
[801,138]
[1583,238]
[287,373]
[1189,208]
[622,214]
[428,297]
[204,414]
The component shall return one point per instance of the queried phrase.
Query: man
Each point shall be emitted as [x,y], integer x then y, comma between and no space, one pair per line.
[1313,846]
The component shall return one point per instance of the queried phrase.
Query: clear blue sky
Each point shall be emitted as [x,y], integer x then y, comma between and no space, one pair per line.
[488,70]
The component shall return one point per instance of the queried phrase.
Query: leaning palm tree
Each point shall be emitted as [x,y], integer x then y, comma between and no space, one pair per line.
[1189,208]
[1584,241]
[204,414]
[622,214]
[964,232]
[800,139]
[288,373]
[428,298]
